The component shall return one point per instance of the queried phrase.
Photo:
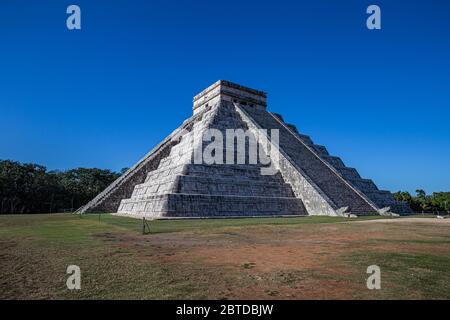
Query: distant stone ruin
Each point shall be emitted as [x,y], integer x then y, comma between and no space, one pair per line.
[175,180]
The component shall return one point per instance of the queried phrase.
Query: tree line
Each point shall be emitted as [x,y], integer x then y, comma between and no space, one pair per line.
[421,202]
[31,188]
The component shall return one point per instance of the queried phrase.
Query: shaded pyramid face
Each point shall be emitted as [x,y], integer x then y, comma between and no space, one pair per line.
[202,171]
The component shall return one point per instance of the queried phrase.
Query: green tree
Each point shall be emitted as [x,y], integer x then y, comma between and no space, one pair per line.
[30,188]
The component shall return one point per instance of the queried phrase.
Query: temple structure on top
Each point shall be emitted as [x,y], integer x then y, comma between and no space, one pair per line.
[229,92]
[306,180]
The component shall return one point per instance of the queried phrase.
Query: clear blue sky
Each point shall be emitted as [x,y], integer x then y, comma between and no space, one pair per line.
[105,95]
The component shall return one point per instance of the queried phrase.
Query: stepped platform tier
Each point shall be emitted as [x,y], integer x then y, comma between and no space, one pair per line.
[177,180]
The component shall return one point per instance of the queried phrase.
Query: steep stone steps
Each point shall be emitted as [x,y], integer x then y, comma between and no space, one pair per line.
[332,183]
[166,183]
[164,172]
[232,186]
[179,187]
[214,184]
[233,171]
[198,205]
[379,198]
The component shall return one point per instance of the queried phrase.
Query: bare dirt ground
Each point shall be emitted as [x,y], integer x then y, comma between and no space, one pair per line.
[301,262]
[261,261]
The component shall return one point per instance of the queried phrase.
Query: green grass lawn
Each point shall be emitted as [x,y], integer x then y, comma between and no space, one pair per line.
[45,224]
[177,261]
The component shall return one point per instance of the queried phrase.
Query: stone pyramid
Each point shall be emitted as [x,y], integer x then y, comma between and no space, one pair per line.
[172,181]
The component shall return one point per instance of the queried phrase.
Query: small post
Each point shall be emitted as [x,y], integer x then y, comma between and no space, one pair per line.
[144,225]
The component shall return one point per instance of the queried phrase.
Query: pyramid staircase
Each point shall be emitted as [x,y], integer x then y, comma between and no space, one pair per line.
[181,188]
[169,181]
[343,185]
